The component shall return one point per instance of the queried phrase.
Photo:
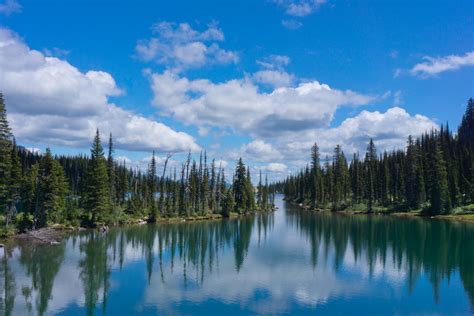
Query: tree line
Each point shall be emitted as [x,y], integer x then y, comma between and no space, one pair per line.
[434,173]
[37,190]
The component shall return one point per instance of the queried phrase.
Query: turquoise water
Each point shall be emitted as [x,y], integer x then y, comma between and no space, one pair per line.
[287,262]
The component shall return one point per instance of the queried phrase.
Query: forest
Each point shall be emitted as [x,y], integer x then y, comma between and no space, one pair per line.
[433,175]
[40,190]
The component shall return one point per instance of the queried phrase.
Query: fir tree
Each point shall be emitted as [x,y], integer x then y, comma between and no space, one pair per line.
[52,192]
[5,157]
[250,206]
[15,183]
[240,187]
[316,193]
[152,187]
[97,198]
[439,195]
[371,160]
[229,203]
[111,171]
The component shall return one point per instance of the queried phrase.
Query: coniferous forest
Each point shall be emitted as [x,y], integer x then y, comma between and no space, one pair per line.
[433,174]
[39,190]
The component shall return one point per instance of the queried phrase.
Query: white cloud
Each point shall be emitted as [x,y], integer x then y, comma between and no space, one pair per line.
[433,66]
[274,62]
[273,74]
[273,78]
[260,151]
[389,130]
[56,51]
[300,7]
[179,46]
[275,167]
[34,150]
[51,101]
[238,104]
[220,163]
[9,7]
[291,24]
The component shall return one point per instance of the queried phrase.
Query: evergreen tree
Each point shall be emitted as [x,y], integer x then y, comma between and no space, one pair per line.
[439,195]
[316,194]
[229,203]
[97,198]
[111,171]
[15,183]
[371,160]
[240,187]
[5,157]
[52,191]
[259,191]
[250,206]
[152,187]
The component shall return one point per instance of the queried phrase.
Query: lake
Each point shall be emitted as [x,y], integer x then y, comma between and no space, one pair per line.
[287,262]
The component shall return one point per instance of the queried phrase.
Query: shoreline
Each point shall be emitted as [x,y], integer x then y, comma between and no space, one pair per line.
[467,218]
[54,234]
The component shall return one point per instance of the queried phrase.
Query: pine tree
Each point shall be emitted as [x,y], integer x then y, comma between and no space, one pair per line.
[152,187]
[205,187]
[316,194]
[466,130]
[229,203]
[111,171]
[5,157]
[97,198]
[240,187]
[265,201]
[213,188]
[371,160]
[52,192]
[412,174]
[439,195]
[250,206]
[15,183]
[259,191]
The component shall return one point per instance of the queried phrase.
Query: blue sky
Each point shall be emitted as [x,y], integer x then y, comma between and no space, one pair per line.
[258,79]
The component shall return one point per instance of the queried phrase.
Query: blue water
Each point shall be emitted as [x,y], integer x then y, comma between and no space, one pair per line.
[287,262]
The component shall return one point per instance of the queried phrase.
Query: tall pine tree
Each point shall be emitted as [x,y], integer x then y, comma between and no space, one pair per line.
[97,198]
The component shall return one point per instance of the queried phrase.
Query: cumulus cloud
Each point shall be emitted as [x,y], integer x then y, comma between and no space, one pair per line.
[51,101]
[389,130]
[273,74]
[238,104]
[273,78]
[275,167]
[259,150]
[56,52]
[9,7]
[433,66]
[300,7]
[179,46]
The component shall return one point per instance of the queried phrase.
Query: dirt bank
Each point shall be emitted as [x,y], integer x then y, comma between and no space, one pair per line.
[48,235]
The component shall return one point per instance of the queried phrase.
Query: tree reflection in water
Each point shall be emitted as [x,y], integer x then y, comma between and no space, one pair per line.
[256,262]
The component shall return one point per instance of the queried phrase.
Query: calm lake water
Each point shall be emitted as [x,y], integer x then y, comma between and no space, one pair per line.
[287,262]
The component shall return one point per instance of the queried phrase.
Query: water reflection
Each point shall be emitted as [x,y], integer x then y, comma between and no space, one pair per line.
[288,261]
[415,246]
